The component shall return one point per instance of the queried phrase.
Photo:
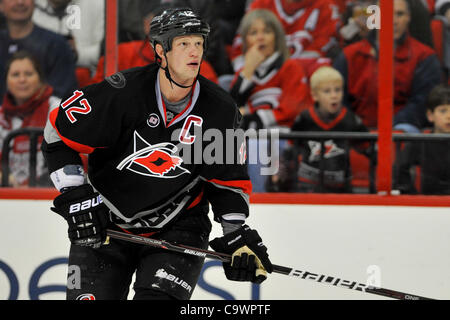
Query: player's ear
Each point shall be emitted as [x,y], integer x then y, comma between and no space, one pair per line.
[160,52]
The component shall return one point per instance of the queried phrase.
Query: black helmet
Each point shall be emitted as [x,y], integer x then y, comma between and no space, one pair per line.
[176,22]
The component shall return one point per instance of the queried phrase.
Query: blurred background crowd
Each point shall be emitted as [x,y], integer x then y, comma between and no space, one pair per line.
[292,65]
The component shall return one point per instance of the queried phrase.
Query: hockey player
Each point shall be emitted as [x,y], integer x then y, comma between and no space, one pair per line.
[130,125]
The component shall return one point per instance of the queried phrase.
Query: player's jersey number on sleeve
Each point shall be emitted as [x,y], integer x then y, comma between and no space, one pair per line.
[70,107]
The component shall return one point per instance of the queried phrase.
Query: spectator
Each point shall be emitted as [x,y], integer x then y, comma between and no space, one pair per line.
[327,114]
[50,49]
[271,88]
[26,104]
[416,71]
[355,22]
[310,27]
[81,22]
[432,156]
[140,53]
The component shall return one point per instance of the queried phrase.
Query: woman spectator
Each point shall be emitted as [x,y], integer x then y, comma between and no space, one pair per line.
[271,89]
[25,104]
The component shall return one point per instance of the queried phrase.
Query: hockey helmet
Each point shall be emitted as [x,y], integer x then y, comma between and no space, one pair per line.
[176,22]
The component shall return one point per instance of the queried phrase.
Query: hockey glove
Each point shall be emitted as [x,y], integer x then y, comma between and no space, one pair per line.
[85,213]
[250,261]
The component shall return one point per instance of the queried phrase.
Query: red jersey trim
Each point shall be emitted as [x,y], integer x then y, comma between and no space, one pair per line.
[196,201]
[182,112]
[72,144]
[244,185]
[330,125]
[148,234]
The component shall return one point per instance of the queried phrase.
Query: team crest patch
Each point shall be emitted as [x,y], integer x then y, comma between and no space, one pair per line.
[86,296]
[117,80]
[158,160]
[153,120]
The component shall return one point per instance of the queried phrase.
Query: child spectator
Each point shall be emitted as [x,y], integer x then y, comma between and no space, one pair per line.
[433,157]
[300,163]
[50,49]
[26,104]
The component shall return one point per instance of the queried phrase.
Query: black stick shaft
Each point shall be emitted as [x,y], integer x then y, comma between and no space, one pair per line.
[306,275]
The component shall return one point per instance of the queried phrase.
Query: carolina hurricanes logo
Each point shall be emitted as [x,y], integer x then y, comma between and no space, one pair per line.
[331,150]
[153,160]
[85,296]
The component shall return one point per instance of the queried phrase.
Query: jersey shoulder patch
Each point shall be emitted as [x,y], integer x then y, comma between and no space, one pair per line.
[117,80]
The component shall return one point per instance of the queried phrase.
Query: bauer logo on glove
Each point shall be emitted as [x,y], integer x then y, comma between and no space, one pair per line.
[85,213]
[85,204]
[249,258]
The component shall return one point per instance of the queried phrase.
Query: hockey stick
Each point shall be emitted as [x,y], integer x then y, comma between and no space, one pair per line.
[321,278]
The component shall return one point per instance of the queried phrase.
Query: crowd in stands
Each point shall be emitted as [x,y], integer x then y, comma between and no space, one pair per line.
[292,65]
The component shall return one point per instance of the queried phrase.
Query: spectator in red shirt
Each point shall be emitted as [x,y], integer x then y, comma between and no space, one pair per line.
[310,27]
[417,70]
[25,104]
[270,88]
[50,49]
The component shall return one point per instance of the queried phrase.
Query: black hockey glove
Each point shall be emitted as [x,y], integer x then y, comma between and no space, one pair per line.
[250,261]
[85,213]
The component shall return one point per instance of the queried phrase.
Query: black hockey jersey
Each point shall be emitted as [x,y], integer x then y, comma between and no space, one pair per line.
[148,169]
[336,161]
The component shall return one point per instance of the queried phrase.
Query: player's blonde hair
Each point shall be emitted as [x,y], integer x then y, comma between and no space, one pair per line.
[324,74]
